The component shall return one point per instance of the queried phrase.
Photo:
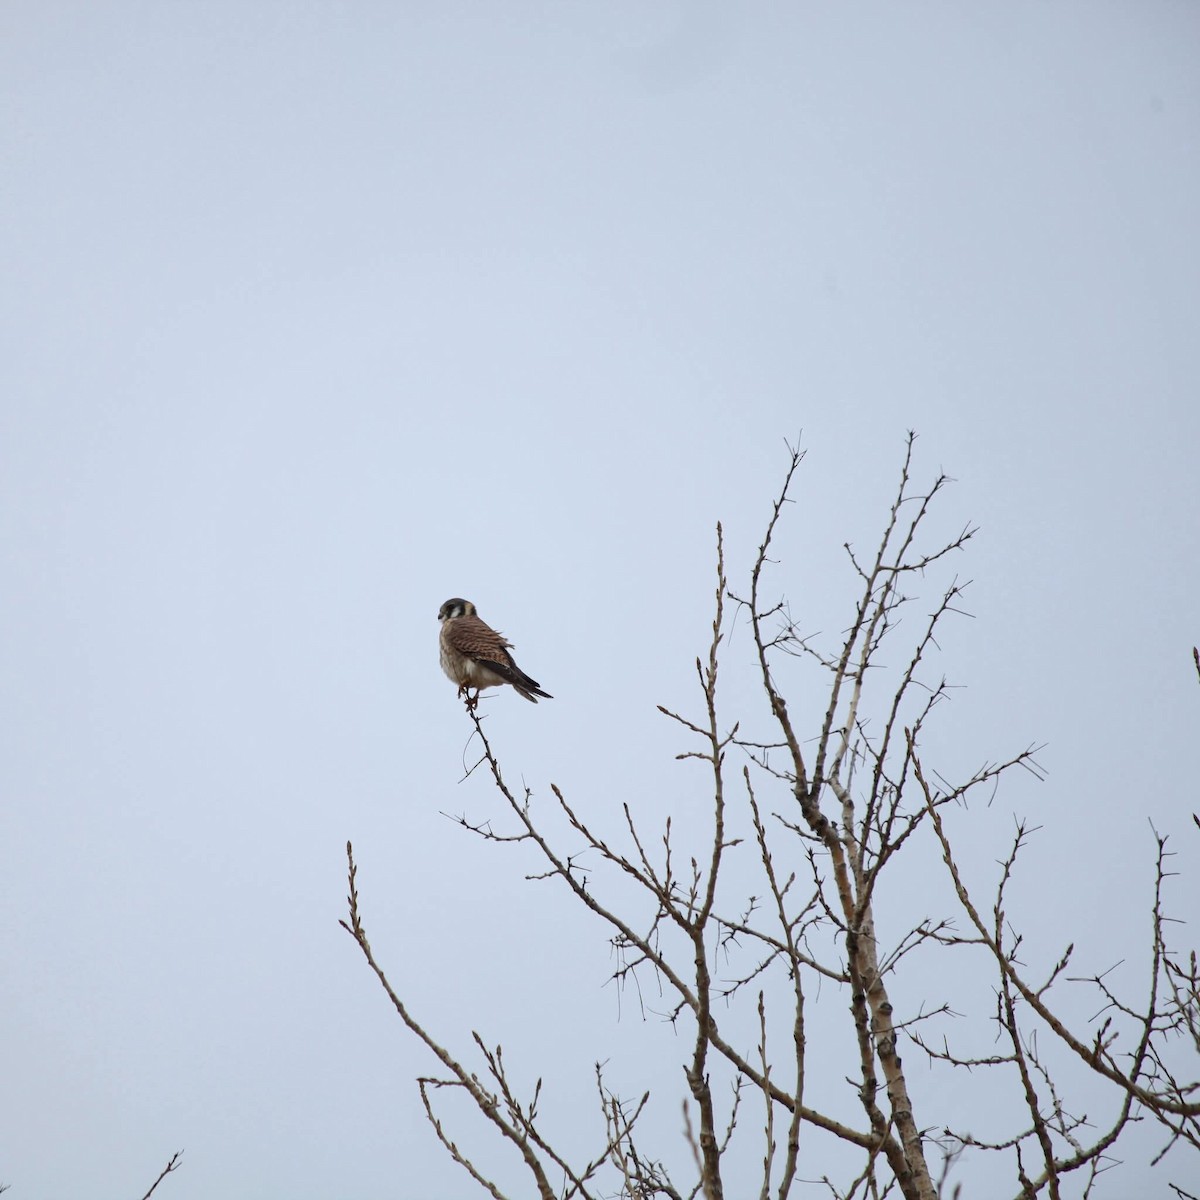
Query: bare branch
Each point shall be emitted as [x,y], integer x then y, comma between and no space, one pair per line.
[843,795]
[173,1165]
[484,1100]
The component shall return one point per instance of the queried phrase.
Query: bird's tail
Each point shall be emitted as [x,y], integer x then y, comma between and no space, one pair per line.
[531,689]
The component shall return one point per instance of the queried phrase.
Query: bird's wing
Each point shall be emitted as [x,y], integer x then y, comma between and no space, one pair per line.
[476,639]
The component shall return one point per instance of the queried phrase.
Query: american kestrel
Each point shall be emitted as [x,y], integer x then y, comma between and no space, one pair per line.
[475,656]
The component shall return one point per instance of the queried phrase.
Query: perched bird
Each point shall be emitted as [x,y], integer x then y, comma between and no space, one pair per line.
[475,656]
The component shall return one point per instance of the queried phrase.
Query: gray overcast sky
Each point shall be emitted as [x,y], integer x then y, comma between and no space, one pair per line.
[319,313]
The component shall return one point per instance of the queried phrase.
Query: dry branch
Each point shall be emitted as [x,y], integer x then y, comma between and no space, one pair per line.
[828,808]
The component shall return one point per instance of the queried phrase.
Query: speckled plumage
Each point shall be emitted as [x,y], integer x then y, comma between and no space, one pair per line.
[474,655]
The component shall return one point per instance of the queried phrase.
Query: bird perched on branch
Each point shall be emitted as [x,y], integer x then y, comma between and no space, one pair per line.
[475,656]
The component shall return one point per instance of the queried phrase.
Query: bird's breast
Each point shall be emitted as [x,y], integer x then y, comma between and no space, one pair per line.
[452,662]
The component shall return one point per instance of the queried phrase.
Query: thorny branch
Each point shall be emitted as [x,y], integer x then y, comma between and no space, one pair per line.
[824,812]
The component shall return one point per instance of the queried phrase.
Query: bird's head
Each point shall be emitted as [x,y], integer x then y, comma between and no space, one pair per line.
[456,607]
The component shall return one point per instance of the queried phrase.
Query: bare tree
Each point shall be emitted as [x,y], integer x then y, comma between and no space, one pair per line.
[830,808]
